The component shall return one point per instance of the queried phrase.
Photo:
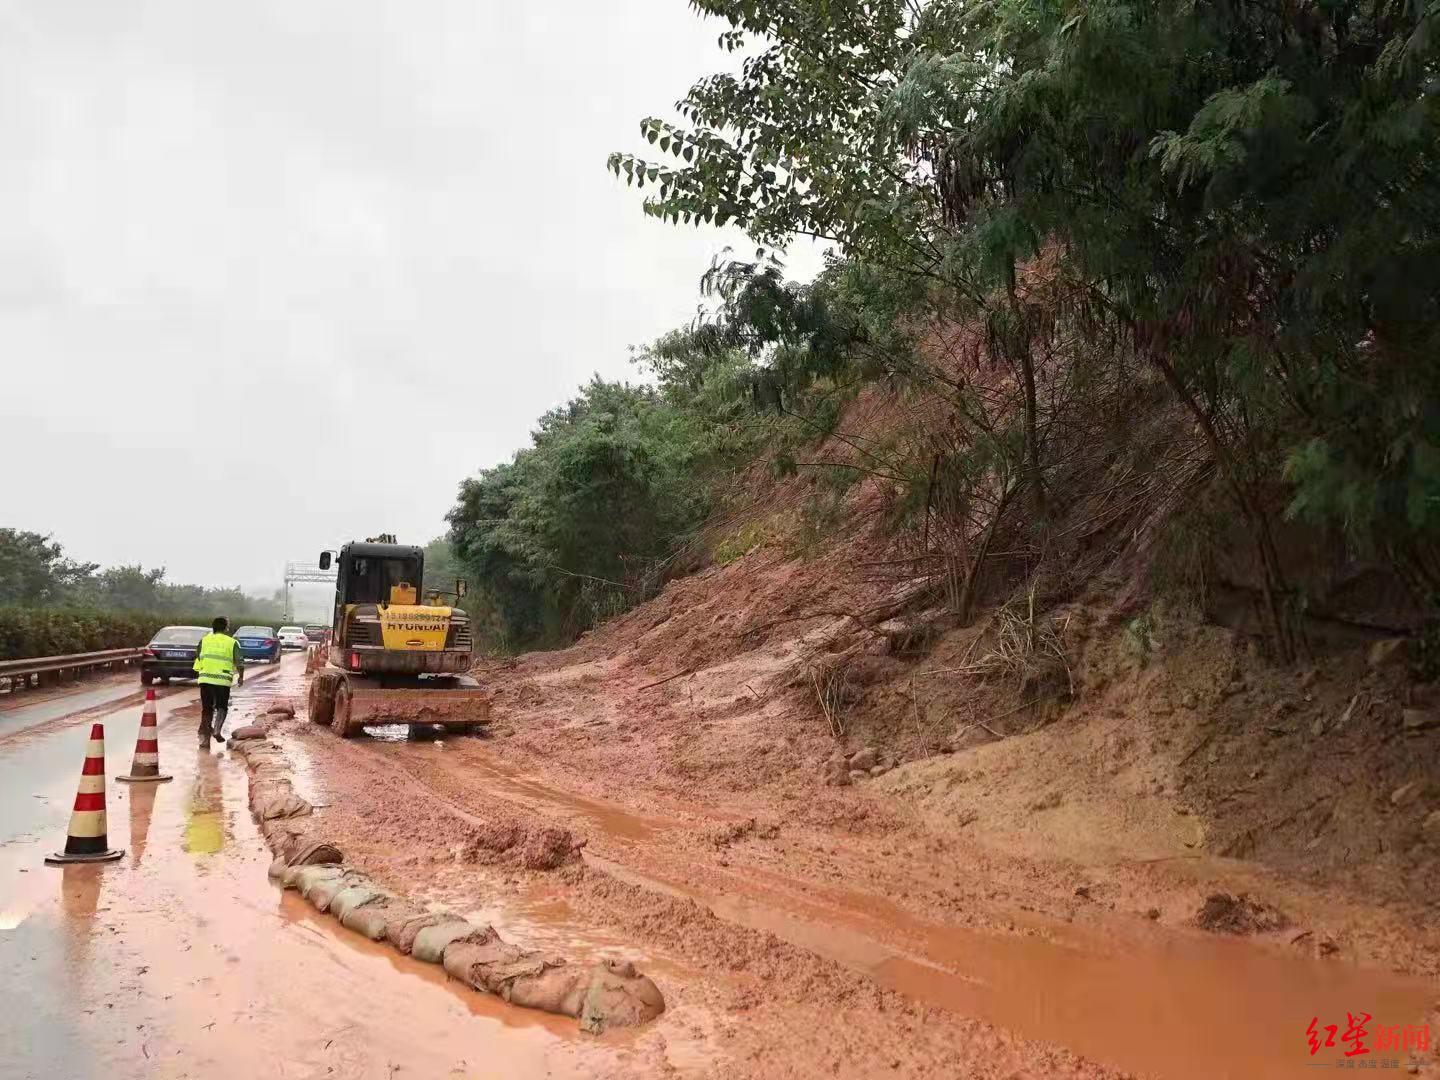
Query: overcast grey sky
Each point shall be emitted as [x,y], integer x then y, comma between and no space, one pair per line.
[278,274]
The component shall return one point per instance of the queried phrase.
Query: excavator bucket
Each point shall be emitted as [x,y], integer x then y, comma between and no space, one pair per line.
[460,708]
[346,703]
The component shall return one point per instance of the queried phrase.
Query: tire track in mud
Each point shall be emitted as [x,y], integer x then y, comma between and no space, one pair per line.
[864,934]
[797,940]
[790,939]
[819,1010]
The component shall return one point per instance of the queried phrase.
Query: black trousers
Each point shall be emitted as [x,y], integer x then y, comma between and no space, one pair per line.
[214,702]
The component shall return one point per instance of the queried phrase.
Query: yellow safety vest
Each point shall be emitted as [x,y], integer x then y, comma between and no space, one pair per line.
[215,662]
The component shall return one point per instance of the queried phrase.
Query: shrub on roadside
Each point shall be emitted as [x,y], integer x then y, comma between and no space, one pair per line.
[29,632]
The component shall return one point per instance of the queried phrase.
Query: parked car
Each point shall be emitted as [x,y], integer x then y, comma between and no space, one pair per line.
[293,637]
[316,632]
[258,643]
[171,654]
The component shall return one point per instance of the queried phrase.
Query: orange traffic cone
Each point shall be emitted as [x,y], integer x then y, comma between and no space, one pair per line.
[87,841]
[145,768]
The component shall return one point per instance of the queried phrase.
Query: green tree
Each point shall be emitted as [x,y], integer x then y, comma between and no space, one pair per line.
[578,525]
[128,588]
[1242,197]
[34,569]
[441,566]
[35,573]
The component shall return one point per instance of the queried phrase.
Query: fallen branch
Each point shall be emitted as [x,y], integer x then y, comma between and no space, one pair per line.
[964,660]
[1001,716]
[846,465]
[1288,818]
[1196,748]
[668,678]
[802,618]
[1160,859]
[589,577]
[829,686]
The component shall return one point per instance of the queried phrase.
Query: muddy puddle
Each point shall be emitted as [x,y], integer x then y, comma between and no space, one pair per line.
[182,960]
[1150,1000]
[541,916]
[1159,1003]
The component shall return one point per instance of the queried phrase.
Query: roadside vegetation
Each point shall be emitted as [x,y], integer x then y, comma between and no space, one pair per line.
[52,605]
[1123,274]
[584,522]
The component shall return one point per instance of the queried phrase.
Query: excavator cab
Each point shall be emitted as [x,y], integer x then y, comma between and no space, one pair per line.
[392,659]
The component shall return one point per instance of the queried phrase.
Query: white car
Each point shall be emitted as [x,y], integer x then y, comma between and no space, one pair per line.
[293,637]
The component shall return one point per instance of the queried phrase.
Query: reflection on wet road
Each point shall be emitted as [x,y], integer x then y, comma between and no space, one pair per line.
[204,820]
[182,960]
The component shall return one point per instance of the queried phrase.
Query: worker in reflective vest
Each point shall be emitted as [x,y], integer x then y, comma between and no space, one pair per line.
[217,664]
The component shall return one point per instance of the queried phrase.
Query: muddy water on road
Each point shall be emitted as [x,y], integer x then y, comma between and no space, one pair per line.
[1153,1000]
[1159,1003]
[181,960]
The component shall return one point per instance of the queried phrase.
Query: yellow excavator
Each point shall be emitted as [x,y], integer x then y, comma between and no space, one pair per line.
[390,659]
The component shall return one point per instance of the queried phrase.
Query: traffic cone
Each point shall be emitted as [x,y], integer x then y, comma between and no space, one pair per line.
[145,768]
[87,841]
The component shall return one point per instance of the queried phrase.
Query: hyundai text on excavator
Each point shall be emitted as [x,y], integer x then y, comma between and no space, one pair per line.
[391,659]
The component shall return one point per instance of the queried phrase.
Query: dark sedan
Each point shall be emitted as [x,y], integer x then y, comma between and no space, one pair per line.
[171,654]
[259,643]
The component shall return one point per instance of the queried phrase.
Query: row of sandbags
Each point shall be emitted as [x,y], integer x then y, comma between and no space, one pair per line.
[272,797]
[609,994]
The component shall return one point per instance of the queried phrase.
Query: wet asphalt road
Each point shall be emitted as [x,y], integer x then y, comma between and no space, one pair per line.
[181,959]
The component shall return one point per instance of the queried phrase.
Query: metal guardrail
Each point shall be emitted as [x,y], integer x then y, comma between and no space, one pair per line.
[21,670]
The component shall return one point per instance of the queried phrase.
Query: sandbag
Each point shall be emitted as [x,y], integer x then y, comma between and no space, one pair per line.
[357,895]
[284,806]
[558,989]
[281,835]
[481,946]
[308,877]
[244,732]
[278,868]
[430,943]
[497,978]
[262,791]
[486,963]
[258,752]
[323,893]
[402,930]
[369,919]
[618,996]
[313,853]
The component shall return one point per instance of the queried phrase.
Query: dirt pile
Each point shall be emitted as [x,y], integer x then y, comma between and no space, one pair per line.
[1149,735]
[535,848]
[1226,914]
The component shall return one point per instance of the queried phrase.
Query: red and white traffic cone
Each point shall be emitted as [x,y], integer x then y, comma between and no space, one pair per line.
[87,840]
[145,768]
